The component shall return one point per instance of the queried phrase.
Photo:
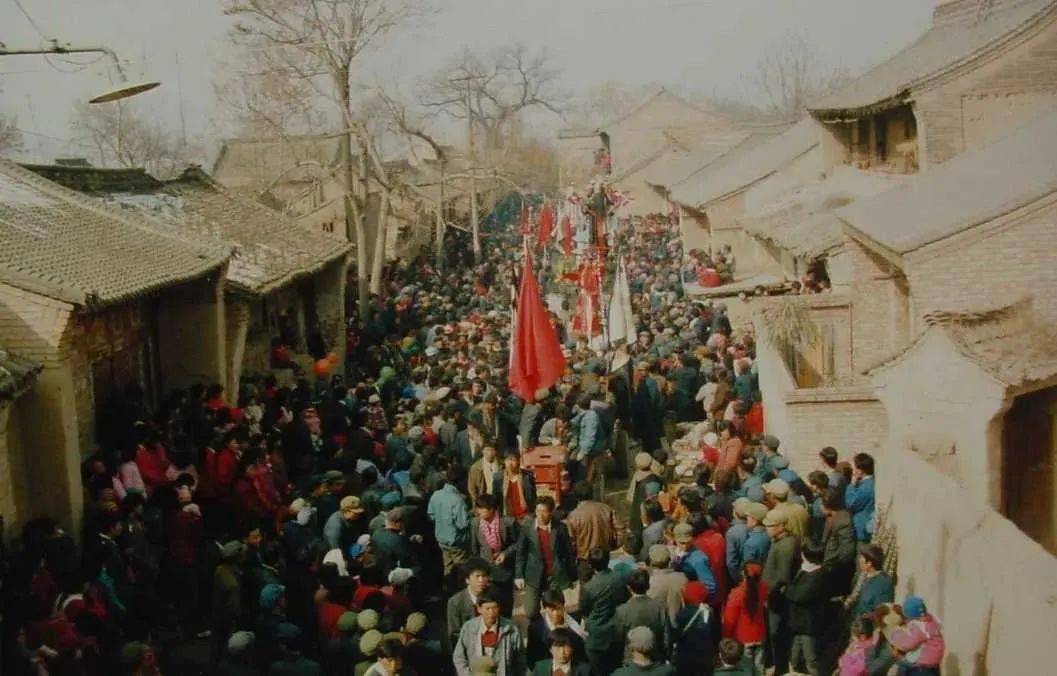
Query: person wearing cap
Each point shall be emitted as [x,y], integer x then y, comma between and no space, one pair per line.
[391,547]
[421,655]
[489,635]
[666,585]
[691,560]
[344,525]
[918,642]
[370,641]
[798,520]
[241,659]
[329,502]
[783,560]
[644,483]
[341,652]
[767,451]
[564,659]
[291,662]
[642,611]
[545,556]
[734,541]
[642,644]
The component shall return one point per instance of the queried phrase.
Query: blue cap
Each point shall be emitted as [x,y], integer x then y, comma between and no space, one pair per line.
[913,607]
[270,595]
[356,551]
[287,631]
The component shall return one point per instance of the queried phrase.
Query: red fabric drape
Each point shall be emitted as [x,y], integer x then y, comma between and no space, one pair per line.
[536,359]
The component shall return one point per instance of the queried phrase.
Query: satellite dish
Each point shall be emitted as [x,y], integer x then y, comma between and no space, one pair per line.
[124,91]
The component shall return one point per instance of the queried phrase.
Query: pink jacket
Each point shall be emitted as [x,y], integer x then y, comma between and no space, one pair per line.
[921,640]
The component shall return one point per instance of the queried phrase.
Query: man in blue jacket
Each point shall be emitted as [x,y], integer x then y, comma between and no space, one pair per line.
[859,496]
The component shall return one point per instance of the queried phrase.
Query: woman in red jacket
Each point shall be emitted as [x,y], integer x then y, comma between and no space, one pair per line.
[743,617]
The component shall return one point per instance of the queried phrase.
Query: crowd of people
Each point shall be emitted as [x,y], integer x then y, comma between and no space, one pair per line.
[373,518]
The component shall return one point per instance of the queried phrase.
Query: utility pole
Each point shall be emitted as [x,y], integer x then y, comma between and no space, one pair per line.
[474,225]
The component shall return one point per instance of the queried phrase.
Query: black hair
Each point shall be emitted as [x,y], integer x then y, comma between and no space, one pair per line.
[864,463]
[486,501]
[730,652]
[598,559]
[829,456]
[639,581]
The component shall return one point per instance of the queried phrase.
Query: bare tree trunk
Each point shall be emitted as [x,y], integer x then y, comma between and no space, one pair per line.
[441,225]
[355,220]
[380,236]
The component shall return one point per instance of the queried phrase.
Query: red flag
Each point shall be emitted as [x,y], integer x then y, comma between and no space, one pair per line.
[536,359]
[546,226]
[567,236]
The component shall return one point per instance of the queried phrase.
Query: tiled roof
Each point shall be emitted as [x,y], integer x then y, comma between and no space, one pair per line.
[801,220]
[1007,342]
[946,45]
[16,375]
[746,164]
[680,166]
[65,245]
[270,248]
[256,162]
[972,188]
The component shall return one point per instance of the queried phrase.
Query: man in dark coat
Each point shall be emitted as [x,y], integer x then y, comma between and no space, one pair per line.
[508,537]
[563,656]
[642,611]
[804,596]
[599,599]
[838,544]
[545,556]
[392,549]
[783,560]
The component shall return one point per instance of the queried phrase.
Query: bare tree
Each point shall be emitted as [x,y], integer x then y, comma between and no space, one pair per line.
[10,135]
[318,44]
[789,75]
[121,137]
[494,89]
[399,120]
[606,101]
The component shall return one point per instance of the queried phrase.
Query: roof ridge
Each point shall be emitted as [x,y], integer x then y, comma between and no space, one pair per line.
[142,222]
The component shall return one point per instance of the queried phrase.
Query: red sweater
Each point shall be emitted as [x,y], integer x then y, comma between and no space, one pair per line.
[738,624]
[715,548]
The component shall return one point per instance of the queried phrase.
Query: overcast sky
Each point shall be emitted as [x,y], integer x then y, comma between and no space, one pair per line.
[706,46]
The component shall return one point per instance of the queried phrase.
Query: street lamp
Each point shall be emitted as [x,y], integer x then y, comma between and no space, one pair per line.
[123,91]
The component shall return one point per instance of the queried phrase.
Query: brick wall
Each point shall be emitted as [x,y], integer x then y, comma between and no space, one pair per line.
[991,265]
[31,325]
[980,105]
[850,420]
[879,310]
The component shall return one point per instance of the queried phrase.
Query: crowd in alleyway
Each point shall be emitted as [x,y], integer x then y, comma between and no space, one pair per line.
[374,518]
